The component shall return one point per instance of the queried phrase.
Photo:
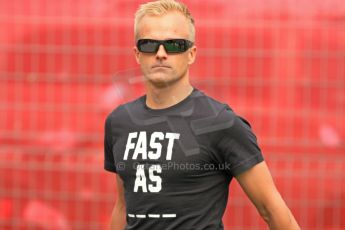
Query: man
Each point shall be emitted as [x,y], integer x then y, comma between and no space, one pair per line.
[175,150]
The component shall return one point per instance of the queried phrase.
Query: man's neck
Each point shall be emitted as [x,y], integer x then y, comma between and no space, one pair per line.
[161,98]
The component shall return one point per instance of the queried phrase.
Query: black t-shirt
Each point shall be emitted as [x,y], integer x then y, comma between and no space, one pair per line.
[177,163]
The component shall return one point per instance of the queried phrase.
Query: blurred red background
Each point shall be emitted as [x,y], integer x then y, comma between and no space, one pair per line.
[64,65]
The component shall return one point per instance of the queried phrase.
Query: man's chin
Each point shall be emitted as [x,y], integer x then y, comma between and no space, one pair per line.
[161,80]
[160,84]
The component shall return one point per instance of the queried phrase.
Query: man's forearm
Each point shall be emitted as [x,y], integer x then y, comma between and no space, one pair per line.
[118,217]
[280,218]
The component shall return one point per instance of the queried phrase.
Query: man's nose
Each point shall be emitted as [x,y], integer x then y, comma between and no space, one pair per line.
[161,53]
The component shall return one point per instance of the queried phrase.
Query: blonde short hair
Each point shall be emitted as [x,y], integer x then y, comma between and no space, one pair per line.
[161,7]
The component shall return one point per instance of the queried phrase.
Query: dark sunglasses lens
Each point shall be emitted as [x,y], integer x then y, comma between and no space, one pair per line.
[147,46]
[174,46]
[170,46]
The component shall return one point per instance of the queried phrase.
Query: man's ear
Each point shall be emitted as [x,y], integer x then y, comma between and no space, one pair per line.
[192,55]
[136,54]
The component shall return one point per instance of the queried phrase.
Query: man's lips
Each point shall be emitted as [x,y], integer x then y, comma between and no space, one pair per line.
[160,66]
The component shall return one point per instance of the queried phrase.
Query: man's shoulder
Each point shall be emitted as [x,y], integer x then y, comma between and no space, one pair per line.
[224,113]
[208,105]
[210,115]
[121,111]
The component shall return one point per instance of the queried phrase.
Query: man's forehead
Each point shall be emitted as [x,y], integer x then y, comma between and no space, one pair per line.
[170,24]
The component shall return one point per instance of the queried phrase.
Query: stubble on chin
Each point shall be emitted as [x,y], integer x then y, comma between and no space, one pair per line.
[161,81]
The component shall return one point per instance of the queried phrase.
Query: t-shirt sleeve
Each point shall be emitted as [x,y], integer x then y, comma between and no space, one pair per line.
[237,143]
[109,162]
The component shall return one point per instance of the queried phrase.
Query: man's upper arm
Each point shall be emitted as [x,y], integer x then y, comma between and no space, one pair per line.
[118,217]
[258,184]
[120,190]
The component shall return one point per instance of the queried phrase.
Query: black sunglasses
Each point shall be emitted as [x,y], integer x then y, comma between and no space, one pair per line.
[170,46]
